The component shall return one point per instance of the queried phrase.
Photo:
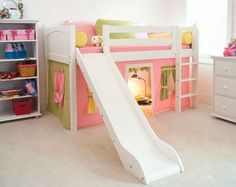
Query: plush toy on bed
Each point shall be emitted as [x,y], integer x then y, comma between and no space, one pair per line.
[97,41]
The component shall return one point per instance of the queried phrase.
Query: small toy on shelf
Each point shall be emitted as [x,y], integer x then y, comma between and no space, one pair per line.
[30,86]
[20,8]
[97,41]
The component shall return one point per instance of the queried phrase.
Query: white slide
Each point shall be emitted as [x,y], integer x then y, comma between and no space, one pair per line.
[140,150]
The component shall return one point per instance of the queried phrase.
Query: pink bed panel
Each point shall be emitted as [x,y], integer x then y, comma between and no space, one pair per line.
[91,49]
[158,105]
[85,119]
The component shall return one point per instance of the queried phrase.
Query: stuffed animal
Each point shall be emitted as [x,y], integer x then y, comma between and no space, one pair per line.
[97,41]
[231,49]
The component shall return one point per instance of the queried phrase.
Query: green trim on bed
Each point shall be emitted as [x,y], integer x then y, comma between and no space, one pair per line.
[62,113]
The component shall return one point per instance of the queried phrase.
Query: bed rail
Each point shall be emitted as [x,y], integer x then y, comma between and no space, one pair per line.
[139,41]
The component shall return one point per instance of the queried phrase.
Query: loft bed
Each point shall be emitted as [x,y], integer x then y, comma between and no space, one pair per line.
[163,51]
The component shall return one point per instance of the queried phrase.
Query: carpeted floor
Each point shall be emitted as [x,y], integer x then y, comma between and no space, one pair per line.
[40,153]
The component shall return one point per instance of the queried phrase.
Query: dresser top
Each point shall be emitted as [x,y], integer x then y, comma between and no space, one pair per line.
[224,58]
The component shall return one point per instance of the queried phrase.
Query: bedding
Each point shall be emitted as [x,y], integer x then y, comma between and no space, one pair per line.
[186,37]
[87,28]
[81,39]
[100,22]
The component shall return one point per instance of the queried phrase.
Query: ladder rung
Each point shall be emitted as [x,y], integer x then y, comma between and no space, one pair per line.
[188,95]
[189,79]
[189,64]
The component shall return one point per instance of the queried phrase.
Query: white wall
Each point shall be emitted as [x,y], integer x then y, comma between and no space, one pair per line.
[234,19]
[176,12]
[206,71]
[53,12]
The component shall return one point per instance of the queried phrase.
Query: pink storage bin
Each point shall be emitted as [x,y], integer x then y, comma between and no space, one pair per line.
[3,35]
[20,34]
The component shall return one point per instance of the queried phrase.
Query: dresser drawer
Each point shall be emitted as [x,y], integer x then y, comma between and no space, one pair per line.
[225,86]
[225,68]
[225,106]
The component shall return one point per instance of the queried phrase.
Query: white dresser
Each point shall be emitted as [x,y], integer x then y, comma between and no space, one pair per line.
[224,92]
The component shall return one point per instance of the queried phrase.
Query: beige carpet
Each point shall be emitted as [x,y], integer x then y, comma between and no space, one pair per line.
[40,153]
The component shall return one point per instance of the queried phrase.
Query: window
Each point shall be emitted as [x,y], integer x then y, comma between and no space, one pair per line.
[213,19]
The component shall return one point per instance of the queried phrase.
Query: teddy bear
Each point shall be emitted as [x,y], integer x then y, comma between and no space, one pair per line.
[97,41]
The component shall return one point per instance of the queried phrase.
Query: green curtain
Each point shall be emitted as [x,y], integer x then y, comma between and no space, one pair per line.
[63,113]
[165,75]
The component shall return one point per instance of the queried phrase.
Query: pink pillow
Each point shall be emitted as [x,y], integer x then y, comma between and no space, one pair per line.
[87,27]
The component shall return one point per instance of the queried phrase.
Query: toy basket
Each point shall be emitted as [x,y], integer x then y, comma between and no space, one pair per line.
[26,70]
[21,107]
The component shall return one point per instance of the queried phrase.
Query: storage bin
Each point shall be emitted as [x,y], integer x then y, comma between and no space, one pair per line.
[15,50]
[3,35]
[21,107]
[20,34]
[27,70]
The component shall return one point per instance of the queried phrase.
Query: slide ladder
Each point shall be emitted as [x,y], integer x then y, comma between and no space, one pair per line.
[140,150]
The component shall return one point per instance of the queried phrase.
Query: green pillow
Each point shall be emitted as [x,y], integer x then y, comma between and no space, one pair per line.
[101,22]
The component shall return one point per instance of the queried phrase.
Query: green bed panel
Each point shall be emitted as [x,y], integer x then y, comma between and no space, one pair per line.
[62,113]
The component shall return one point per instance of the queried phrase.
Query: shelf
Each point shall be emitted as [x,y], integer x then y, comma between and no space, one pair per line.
[14,98]
[10,115]
[6,65]
[18,21]
[18,78]
[16,60]
[15,41]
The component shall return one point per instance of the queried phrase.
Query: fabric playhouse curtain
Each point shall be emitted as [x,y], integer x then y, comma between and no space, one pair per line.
[167,81]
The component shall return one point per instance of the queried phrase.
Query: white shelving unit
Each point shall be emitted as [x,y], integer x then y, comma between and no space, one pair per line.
[6,111]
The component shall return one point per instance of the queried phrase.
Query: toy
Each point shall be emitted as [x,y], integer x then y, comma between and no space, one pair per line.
[31,87]
[231,49]
[227,51]
[97,41]
[20,8]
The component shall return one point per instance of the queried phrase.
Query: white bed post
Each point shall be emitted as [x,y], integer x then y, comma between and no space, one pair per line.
[178,70]
[106,39]
[72,78]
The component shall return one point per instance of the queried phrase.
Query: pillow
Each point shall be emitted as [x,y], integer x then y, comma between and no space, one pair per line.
[100,22]
[159,35]
[187,38]
[88,28]
[81,39]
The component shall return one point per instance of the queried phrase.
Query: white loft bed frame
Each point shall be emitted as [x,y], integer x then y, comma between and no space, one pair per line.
[60,47]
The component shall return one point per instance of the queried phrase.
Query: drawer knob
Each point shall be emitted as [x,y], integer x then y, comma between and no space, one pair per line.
[225,88]
[224,107]
[225,69]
